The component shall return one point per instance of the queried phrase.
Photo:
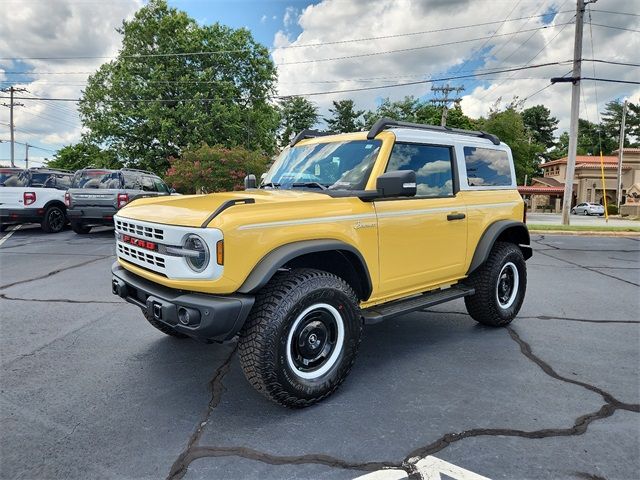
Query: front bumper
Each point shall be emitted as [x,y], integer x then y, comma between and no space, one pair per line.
[92,215]
[21,215]
[210,317]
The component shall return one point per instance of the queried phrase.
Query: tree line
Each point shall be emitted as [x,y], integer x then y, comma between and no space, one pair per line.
[177,87]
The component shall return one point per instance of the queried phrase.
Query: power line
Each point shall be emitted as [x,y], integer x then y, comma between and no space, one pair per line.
[616,13]
[285,47]
[615,27]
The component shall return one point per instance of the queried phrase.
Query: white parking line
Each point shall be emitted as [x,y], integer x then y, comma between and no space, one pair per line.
[429,468]
[9,233]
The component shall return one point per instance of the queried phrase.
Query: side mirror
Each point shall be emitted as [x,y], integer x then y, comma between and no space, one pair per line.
[172,191]
[250,181]
[401,183]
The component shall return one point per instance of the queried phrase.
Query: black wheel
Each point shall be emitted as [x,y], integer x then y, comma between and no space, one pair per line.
[164,328]
[54,219]
[585,213]
[79,228]
[3,227]
[573,211]
[500,284]
[301,338]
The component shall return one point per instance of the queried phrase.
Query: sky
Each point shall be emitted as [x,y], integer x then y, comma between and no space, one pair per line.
[478,35]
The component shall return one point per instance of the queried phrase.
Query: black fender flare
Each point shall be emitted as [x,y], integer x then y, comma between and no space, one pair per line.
[57,203]
[277,258]
[514,231]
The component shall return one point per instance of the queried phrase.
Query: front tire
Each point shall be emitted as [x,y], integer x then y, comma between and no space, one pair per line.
[79,228]
[54,219]
[585,213]
[301,338]
[573,211]
[500,284]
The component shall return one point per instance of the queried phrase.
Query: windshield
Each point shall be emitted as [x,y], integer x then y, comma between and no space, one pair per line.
[13,178]
[336,165]
[97,179]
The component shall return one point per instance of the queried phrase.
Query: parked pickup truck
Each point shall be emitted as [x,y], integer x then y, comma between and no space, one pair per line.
[35,195]
[97,194]
[344,230]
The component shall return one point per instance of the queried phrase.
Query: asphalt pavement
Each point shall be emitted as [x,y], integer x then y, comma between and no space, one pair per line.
[89,390]
[591,220]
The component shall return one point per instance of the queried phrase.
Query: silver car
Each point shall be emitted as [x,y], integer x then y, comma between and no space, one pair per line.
[588,209]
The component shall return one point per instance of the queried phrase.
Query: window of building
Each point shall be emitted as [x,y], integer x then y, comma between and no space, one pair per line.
[487,167]
[432,164]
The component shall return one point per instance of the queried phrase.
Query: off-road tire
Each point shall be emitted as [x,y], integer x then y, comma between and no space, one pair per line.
[164,328]
[264,339]
[79,228]
[3,227]
[52,224]
[483,306]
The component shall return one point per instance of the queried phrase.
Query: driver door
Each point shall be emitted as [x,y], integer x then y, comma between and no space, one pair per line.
[422,239]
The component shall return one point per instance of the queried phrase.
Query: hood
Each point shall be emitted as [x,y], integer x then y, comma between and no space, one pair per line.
[193,210]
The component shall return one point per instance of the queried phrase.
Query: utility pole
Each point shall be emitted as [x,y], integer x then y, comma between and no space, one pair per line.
[26,156]
[12,104]
[621,155]
[444,100]
[575,111]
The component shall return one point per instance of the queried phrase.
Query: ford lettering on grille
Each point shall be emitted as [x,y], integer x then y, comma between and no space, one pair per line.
[137,242]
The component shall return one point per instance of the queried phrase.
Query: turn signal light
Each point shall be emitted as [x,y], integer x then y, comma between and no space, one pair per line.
[29,198]
[220,252]
[123,199]
[67,199]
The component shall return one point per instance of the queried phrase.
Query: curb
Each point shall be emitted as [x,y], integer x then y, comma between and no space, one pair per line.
[589,233]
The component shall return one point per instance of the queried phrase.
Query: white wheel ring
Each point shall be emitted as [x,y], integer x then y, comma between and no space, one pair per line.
[516,285]
[331,361]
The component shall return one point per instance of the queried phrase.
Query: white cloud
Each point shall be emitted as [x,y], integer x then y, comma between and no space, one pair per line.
[439,166]
[336,20]
[263,19]
[55,29]
[290,16]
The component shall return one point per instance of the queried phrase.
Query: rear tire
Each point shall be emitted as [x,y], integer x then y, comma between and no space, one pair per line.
[79,228]
[164,328]
[500,284]
[54,219]
[301,338]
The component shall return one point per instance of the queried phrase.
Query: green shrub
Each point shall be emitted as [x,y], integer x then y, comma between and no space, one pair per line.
[214,169]
[612,209]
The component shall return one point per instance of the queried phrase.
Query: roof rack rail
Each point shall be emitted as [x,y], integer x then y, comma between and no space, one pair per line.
[385,123]
[308,134]
[51,169]
[137,170]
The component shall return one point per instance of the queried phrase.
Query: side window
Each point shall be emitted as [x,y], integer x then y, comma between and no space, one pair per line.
[132,181]
[160,186]
[148,185]
[431,163]
[63,182]
[487,167]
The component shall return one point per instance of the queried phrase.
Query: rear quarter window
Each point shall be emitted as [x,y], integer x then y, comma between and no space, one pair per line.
[487,167]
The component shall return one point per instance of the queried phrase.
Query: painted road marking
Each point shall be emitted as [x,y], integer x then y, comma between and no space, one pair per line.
[429,468]
[9,233]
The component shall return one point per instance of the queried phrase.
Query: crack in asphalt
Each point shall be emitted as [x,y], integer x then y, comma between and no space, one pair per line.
[56,300]
[579,427]
[546,317]
[589,269]
[54,272]
[179,467]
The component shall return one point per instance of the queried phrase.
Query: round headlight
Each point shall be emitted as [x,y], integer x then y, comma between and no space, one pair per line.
[198,257]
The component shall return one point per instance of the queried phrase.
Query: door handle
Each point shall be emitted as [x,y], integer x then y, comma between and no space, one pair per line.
[455,216]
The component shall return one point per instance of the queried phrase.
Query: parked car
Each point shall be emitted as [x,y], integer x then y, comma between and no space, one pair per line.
[345,229]
[588,208]
[35,195]
[97,194]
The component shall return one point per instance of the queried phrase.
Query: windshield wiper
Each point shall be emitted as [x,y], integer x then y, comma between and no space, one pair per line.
[309,185]
[270,185]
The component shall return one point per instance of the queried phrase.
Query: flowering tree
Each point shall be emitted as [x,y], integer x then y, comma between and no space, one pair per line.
[214,169]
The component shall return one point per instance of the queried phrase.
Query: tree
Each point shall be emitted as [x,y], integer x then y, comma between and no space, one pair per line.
[509,126]
[160,95]
[540,125]
[344,117]
[83,155]
[214,169]
[296,114]
[403,110]
[612,118]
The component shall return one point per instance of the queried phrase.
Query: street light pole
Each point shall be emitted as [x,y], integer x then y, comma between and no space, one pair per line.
[621,155]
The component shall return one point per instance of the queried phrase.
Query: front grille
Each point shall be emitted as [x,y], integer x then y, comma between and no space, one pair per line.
[140,257]
[139,230]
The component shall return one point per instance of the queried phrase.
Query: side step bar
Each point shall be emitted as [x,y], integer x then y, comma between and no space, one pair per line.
[400,307]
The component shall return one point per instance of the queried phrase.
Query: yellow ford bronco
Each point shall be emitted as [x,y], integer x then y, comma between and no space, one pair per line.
[343,230]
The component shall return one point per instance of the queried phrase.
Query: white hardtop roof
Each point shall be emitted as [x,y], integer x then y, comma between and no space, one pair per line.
[416,135]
